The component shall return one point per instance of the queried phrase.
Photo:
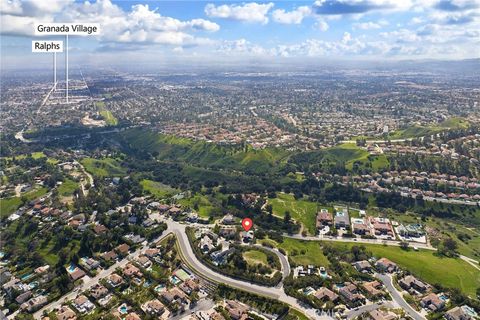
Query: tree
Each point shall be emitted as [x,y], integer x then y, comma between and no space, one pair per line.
[404,245]
[448,247]
[287,218]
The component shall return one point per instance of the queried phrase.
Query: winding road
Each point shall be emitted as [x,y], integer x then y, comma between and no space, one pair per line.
[198,267]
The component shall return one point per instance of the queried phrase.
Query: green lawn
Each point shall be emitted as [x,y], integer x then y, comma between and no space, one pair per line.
[158,189]
[106,167]
[254,257]
[106,114]
[199,203]
[67,188]
[449,272]
[303,252]
[303,211]
[10,205]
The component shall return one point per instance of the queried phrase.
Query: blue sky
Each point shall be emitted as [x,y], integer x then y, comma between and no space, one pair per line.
[211,30]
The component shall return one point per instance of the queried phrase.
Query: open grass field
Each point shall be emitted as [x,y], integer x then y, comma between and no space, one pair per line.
[10,205]
[157,189]
[303,211]
[35,155]
[106,167]
[255,257]
[420,131]
[106,114]
[304,253]
[67,188]
[199,203]
[449,272]
[470,246]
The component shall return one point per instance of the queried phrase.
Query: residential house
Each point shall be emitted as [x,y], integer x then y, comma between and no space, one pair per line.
[351,294]
[99,229]
[34,303]
[410,282]
[206,244]
[228,219]
[360,227]
[324,218]
[131,271]
[154,307]
[373,288]
[382,226]
[189,286]
[132,316]
[77,274]
[98,291]
[82,304]
[174,295]
[21,298]
[220,257]
[114,280]
[342,220]
[461,313]
[65,313]
[326,294]
[151,253]
[236,310]
[363,266]
[122,249]
[89,263]
[144,262]
[385,265]
[109,256]
[379,314]
[227,231]
[432,302]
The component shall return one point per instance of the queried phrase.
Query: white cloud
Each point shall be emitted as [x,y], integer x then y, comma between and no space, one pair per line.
[321,25]
[370,25]
[139,25]
[249,12]
[292,17]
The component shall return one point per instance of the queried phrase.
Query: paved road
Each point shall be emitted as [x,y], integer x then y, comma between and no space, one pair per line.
[397,296]
[367,308]
[89,283]
[285,265]
[474,263]
[191,260]
[197,266]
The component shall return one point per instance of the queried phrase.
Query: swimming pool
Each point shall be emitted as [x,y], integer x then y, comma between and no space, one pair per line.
[27,276]
[123,309]
[71,268]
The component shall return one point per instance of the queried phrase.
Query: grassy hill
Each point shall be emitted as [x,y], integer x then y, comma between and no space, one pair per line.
[449,272]
[345,155]
[203,154]
[303,211]
[416,131]
[106,167]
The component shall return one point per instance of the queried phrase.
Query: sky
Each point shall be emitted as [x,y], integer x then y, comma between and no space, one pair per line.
[133,31]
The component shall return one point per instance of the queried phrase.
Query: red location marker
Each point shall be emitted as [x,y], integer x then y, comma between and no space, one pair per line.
[247,224]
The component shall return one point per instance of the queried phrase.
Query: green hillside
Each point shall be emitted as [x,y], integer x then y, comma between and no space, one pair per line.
[416,131]
[203,154]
